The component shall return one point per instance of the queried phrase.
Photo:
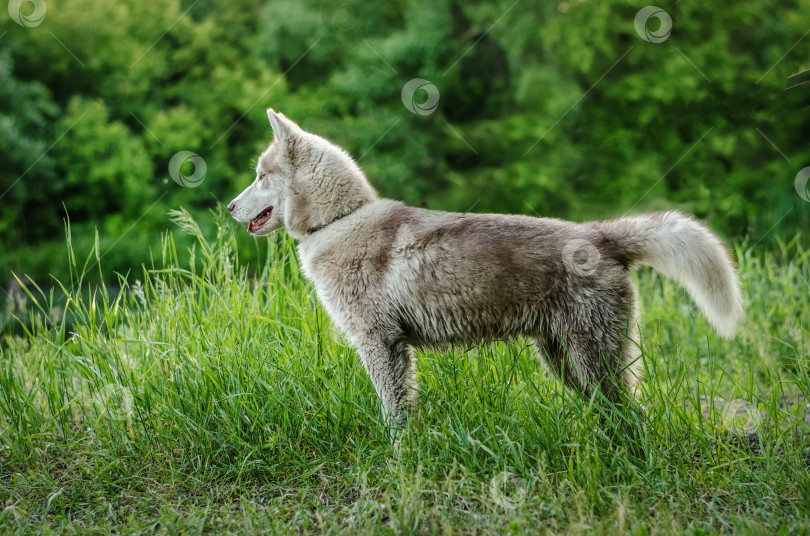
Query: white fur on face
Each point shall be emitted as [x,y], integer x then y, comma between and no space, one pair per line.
[308,181]
[264,192]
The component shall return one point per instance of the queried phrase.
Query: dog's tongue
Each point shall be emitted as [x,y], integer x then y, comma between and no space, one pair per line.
[260,220]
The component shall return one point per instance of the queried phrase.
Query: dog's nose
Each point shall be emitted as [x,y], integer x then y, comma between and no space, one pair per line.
[231,206]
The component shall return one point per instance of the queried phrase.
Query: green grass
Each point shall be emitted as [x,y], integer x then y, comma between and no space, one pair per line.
[202,400]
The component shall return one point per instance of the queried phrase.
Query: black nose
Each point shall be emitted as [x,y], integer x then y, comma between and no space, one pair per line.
[231,206]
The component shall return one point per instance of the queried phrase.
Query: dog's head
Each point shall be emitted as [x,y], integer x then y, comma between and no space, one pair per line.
[303,183]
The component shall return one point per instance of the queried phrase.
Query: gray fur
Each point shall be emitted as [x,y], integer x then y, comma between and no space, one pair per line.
[394,277]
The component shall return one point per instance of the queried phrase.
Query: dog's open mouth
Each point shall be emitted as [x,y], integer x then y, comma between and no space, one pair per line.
[259,221]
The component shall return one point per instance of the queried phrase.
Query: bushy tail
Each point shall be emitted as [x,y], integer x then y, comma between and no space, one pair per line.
[682,248]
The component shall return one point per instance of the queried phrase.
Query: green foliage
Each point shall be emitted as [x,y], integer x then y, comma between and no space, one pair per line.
[557,109]
[111,173]
[199,396]
[25,110]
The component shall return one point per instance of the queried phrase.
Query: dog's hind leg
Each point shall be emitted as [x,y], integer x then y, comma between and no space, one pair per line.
[552,354]
[390,365]
[585,362]
[596,364]
[632,365]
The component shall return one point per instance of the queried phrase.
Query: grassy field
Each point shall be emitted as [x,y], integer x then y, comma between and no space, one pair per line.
[199,399]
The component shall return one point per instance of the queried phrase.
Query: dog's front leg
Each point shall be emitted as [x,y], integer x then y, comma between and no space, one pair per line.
[390,365]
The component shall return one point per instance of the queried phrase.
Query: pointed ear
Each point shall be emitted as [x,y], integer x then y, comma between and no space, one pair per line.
[283,128]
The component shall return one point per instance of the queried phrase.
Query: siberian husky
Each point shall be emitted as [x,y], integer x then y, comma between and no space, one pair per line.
[394,277]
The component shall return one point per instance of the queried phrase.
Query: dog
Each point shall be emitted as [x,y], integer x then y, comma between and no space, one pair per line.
[394,277]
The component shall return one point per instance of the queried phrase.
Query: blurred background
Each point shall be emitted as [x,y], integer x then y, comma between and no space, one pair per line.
[114,113]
